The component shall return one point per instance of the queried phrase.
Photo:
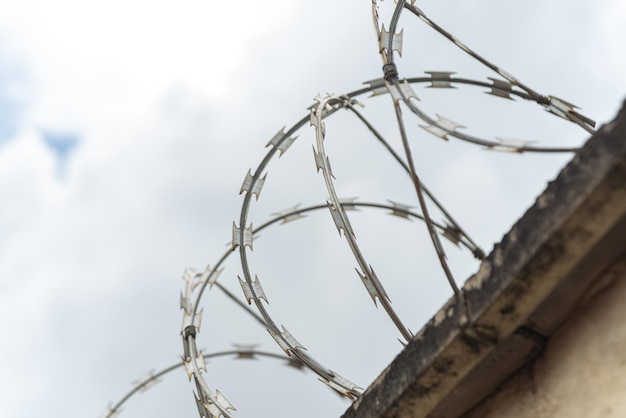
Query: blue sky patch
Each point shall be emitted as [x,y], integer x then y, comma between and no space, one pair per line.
[61,144]
[11,106]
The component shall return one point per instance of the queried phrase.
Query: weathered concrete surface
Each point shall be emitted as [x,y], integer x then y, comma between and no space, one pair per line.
[523,292]
[582,373]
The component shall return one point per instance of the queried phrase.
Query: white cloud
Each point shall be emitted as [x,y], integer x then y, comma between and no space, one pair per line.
[110,62]
[173,103]
[611,23]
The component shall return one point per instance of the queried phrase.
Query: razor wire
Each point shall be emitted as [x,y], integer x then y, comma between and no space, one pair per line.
[502,86]
[198,282]
[152,378]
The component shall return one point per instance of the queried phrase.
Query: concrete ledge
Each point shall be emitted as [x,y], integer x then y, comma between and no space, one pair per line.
[522,293]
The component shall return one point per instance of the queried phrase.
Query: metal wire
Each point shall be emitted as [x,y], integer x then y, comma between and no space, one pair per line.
[152,378]
[503,86]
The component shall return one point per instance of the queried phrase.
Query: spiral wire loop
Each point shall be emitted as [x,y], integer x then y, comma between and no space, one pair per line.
[400,90]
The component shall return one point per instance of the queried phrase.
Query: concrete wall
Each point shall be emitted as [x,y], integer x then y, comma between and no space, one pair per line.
[582,372]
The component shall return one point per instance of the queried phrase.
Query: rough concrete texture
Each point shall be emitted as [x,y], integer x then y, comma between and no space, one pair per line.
[582,372]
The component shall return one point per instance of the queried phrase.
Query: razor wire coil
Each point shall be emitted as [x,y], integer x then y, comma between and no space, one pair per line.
[390,42]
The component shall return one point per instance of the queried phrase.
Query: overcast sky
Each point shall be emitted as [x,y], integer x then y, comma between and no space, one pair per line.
[127,128]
